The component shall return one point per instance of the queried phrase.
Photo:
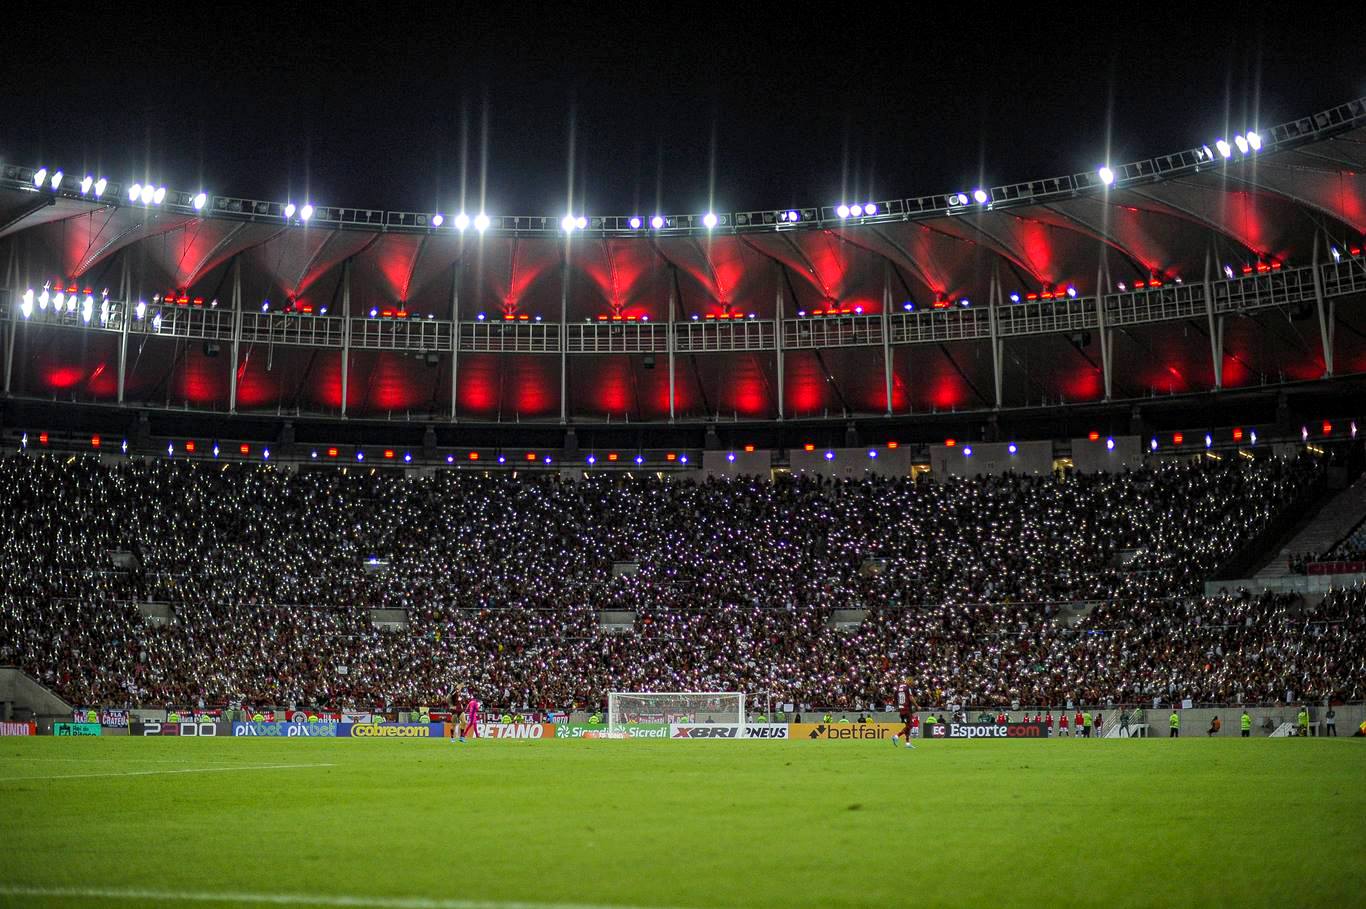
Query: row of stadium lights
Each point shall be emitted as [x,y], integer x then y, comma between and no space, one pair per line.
[244,449]
[151,194]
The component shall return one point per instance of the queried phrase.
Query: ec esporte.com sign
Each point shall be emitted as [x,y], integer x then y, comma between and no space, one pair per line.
[988,731]
[763,731]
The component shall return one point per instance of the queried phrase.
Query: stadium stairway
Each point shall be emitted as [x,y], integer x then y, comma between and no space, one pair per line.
[23,699]
[1333,521]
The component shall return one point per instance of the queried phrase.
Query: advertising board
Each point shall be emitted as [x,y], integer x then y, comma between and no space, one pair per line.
[769,732]
[75,728]
[989,731]
[845,732]
[286,730]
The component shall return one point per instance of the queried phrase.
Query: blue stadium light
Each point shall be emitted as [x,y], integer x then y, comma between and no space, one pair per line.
[313,454]
[450,459]
[1012,448]
[635,223]
[856,210]
[657,222]
[592,459]
[481,317]
[407,457]
[842,210]
[640,459]
[1152,443]
[872,452]
[265,454]
[360,456]
[1015,298]
[56,179]
[135,192]
[793,217]
[289,210]
[1254,140]
[40,177]
[306,212]
[502,459]
[730,456]
[965,302]
[1109,444]
[215,449]
[462,221]
[980,196]
[967,451]
[1209,442]
[682,459]
[1241,142]
[438,219]
[265,306]
[200,200]
[709,220]
[830,456]
[547,459]
[87,183]
[170,449]
[124,447]
[908,306]
[1225,150]
[870,208]
[1252,437]
[1106,175]
[1228,272]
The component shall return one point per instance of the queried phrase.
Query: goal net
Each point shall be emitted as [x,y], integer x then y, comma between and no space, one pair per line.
[627,707]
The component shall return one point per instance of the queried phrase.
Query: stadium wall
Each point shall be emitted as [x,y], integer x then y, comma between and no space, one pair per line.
[22,697]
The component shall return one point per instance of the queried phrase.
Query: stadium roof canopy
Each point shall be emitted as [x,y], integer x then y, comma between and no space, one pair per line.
[1230,265]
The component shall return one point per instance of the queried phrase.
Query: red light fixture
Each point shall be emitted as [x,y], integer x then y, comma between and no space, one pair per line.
[893,443]
[612,456]
[1178,438]
[42,438]
[474,456]
[1237,434]
[331,452]
[244,448]
[1327,427]
[94,441]
[189,446]
[389,453]
[671,457]
[808,447]
[749,449]
[531,455]
[949,443]
[1093,436]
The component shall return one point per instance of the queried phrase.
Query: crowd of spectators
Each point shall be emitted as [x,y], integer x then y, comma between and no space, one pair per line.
[270,577]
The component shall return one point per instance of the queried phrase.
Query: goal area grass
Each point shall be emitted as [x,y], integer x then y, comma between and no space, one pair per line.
[415,824]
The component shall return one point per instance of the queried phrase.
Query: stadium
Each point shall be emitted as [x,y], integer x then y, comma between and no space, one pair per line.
[677,557]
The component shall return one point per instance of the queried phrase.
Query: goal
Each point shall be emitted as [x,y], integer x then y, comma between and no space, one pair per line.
[627,707]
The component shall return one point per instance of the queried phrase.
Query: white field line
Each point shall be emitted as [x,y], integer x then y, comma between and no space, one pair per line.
[85,776]
[285,899]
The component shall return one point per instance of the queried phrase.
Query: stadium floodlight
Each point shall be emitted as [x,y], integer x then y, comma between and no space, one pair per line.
[40,177]
[289,209]
[306,212]
[148,193]
[1252,437]
[160,195]
[1109,444]
[1241,142]
[730,456]
[658,222]
[1228,272]
[980,196]
[265,454]
[86,183]
[156,322]
[1012,448]
[56,179]
[1225,150]
[1336,253]
[592,459]
[870,208]
[265,306]
[87,309]
[626,708]
[635,223]
[135,192]
[58,302]
[26,303]
[1015,298]
[437,220]
[1254,141]
[581,223]
[1152,443]
[462,221]
[872,452]
[199,201]
[71,303]
[856,210]
[709,220]
[640,459]
[1106,175]
[1071,291]
[830,456]
[567,224]
[170,449]
[793,217]
[842,210]
[481,222]
[1206,153]
[683,459]
[140,310]
[104,311]
[1209,442]
[100,185]
[967,451]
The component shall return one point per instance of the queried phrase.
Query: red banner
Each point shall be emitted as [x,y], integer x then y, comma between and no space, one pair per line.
[18,729]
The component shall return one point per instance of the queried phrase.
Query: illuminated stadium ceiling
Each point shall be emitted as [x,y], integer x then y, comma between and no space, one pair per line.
[1224,266]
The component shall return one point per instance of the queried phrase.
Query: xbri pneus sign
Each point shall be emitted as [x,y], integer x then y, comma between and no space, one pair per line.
[762,731]
[989,731]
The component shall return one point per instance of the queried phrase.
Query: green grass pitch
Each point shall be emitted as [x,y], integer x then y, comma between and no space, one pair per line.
[434,825]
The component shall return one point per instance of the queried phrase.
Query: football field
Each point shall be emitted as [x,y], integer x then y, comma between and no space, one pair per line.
[433,825]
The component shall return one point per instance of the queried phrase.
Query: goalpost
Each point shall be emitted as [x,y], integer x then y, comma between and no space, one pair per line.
[627,707]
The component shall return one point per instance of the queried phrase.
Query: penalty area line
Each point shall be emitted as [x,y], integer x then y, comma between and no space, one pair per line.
[86,776]
[287,899]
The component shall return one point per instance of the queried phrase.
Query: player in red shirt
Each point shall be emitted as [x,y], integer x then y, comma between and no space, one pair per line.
[1076,723]
[905,706]
[1062,724]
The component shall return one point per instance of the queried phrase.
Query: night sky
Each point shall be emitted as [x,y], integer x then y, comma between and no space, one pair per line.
[672,107]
